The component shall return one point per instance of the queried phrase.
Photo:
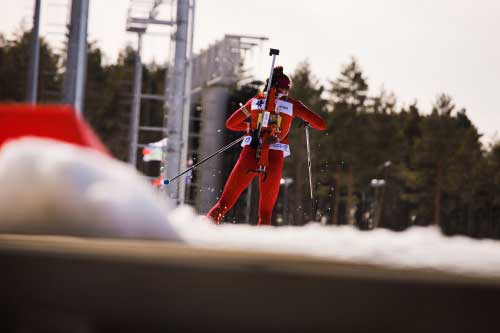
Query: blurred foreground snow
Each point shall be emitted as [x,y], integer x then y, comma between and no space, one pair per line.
[417,247]
[57,188]
[48,187]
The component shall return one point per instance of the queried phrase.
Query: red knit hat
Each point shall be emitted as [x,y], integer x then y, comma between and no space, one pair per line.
[280,80]
[283,82]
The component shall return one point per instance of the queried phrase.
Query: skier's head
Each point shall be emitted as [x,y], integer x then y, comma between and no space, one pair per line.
[280,81]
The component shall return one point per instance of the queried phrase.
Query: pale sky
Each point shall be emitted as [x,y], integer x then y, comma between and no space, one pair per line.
[414,48]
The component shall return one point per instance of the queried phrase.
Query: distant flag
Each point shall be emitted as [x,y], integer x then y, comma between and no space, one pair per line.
[157,182]
[189,176]
[154,151]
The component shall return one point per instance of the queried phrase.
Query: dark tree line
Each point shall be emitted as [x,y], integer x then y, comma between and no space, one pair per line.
[14,63]
[108,91]
[380,165]
[377,164]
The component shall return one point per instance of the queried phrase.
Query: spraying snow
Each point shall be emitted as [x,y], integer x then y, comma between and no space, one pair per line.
[49,187]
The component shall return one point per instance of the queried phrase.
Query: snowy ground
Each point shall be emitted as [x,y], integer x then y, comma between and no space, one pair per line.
[47,187]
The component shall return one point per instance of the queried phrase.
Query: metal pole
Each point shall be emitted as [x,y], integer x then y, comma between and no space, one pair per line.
[285,205]
[82,57]
[76,67]
[32,86]
[223,149]
[313,210]
[136,104]
[187,105]
[248,207]
[176,100]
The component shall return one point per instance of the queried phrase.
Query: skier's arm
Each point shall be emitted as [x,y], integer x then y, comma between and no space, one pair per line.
[237,120]
[306,114]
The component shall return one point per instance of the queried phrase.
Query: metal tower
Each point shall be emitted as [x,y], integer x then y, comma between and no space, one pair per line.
[74,78]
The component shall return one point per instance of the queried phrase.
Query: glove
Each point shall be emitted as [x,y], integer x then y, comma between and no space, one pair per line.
[270,140]
[304,123]
[255,140]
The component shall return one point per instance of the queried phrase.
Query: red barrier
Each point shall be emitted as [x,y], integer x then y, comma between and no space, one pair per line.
[59,122]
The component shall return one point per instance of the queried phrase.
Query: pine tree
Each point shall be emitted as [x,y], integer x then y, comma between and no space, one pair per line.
[349,91]
[410,120]
[445,154]
[348,96]
[14,63]
[108,99]
[306,88]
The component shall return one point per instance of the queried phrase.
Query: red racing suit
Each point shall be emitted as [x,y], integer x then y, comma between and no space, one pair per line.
[280,120]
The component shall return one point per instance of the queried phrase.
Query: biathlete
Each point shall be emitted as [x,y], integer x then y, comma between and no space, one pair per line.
[263,150]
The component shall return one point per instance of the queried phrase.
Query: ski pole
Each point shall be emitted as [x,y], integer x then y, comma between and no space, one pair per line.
[313,212]
[223,149]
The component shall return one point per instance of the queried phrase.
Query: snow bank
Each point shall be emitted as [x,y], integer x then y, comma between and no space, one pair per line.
[50,187]
[418,247]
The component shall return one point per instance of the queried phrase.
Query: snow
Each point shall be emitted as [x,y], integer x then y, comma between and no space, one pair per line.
[418,247]
[49,187]
[58,188]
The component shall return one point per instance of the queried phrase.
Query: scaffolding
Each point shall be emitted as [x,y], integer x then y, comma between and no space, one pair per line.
[141,14]
[76,68]
[194,101]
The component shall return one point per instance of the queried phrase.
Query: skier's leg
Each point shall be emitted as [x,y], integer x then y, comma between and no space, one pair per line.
[238,180]
[269,189]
